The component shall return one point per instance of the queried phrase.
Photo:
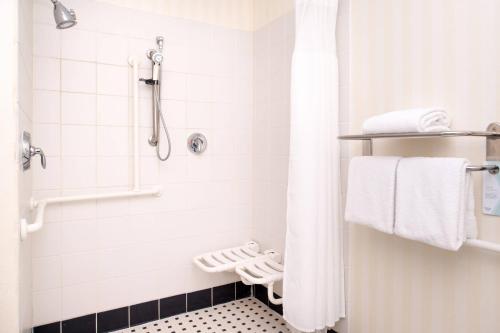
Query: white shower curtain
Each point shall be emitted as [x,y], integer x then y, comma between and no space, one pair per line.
[313,287]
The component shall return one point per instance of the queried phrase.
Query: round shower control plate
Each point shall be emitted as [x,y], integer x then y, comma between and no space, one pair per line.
[197,143]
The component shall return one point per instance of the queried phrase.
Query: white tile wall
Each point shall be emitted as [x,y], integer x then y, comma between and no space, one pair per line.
[95,256]
[272,58]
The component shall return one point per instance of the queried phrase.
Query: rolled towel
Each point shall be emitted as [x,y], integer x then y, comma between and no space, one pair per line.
[411,120]
[371,192]
[435,201]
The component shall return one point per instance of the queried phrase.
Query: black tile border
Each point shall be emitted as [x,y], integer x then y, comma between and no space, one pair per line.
[243,290]
[82,324]
[49,328]
[174,305]
[125,317]
[199,299]
[144,313]
[223,294]
[128,316]
[112,320]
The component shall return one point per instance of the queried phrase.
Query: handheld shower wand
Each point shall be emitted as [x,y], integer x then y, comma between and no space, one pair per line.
[156,57]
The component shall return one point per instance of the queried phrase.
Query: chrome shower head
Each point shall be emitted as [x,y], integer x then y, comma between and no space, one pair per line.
[64,17]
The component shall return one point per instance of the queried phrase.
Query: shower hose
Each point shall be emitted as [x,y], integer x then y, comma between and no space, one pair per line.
[157,106]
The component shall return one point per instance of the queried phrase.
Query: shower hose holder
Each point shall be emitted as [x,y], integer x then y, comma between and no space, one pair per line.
[253,266]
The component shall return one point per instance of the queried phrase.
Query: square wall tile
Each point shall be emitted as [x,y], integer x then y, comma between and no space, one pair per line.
[50,178]
[114,232]
[79,268]
[199,114]
[112,171]
[78,236]
[113,293]
[113,110]
[78,109]
[112,49]
[46,73]
[175,171]
[112,141]
[46,107]
[46,273]
[46,41]
[112,80]
[149,170]
[78,140]
[199,88]
[47,136]
[42,313]
[178,55]
[174,86]
[174,113]
[77,300]
[41,11]
[78,76]
[172,283]
[47,242]
[78,44]
[78,172]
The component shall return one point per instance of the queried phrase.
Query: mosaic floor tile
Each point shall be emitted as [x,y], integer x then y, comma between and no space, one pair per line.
[245,315]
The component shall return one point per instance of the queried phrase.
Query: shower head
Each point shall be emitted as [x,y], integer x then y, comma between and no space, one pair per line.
[64,17]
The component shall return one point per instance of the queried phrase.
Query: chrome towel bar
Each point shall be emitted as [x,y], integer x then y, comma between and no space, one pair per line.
[487,134]
[492,135]
[493,169]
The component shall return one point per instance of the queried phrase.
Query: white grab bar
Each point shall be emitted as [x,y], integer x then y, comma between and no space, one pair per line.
[40,205]
[481,244]
[132,61]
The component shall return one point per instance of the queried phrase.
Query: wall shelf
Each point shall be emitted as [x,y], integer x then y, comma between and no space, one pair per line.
[487,134]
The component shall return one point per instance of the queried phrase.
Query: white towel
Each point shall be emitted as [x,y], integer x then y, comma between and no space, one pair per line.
[370,192]
[412,120]
[435,201]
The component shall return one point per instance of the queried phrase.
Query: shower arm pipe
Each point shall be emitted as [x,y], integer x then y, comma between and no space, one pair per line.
[41,204]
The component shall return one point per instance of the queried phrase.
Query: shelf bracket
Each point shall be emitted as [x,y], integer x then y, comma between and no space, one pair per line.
[367,148]
[493,143]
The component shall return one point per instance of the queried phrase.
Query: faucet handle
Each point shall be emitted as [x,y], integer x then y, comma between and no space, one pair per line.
[28,151]
[38,151]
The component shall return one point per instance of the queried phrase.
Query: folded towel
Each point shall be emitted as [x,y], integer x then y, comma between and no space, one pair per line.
[370,192]
[435,201]
[412,120]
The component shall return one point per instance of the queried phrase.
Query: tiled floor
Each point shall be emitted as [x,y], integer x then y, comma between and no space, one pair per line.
[246,315]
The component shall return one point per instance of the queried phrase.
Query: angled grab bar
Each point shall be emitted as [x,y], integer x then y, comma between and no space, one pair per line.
[40,205]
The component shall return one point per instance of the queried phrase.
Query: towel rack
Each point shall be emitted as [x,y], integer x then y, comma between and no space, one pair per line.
[492,135]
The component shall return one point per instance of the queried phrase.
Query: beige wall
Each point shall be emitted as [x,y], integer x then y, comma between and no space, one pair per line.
[24,118]
[419,53]
[237,14]
[9,236]
[266,11]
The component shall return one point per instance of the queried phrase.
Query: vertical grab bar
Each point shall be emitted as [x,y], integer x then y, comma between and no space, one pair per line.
[135,105]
